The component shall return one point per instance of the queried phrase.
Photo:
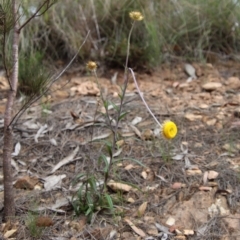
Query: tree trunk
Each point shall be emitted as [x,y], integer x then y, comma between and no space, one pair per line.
[9,204]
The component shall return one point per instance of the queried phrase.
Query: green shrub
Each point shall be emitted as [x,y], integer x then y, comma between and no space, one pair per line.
[33,76]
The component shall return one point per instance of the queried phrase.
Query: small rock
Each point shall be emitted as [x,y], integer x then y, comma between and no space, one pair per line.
[171,221]
[233,82]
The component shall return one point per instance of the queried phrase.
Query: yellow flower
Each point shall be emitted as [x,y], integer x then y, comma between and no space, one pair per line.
[136,16]
[92,66]
[169,129]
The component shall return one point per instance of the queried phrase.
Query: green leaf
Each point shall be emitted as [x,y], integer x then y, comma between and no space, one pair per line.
[93,184]
[76,208]
[120,95]
[104,158]
[105,104]
[78,177]
[89,212]
[115,106]
[122,115]
[79,193]
[109,202]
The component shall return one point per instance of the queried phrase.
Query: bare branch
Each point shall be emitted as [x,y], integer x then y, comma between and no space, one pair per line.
[36,13]
[34,98]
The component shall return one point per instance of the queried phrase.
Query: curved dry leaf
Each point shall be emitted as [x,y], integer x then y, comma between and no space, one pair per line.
[135,130]
[137,230]
[120,143]
[147,135]
[144,175]
[129,167]
[205,177]
[188,232]
[53,142]
[190,70]
[130,200]
[205,188]
[136,120]
[211,86]
[39,132]
[193,117]
[193,172]
[66,160]
[9,233]
[104,135]
[117,186]
[142,209]
[17,149]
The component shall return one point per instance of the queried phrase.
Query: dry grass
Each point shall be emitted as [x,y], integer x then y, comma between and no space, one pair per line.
[191,29]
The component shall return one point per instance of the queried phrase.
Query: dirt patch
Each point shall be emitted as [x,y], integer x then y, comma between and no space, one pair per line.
[183,202]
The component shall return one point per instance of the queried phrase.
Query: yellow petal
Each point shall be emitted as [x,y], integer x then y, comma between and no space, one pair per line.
[169,129]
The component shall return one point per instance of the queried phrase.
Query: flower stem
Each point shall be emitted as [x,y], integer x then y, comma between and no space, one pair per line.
[141,96]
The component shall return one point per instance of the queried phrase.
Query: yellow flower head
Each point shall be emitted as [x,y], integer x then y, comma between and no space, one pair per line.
[136,16]
[169,129]
[92,66]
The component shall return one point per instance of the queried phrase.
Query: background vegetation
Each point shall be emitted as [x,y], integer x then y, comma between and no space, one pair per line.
[190,29]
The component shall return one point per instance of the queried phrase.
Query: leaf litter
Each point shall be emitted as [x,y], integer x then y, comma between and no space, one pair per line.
[188,188]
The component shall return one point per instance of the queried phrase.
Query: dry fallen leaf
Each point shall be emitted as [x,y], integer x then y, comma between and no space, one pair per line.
[9,233]
[188,232]
[78,225]
[147,135]
[86,88]
[134,228]
[193,172]
[193,117]
[211,86]
[152,230]
[43,221]
[130,200]
[136,120]
[144,174]
[4,83]
[26,182]
[212,175]
[205,177]
[205,188]
[180,237]
[142,209]
[129,167]
[66,160]
[53,182]
[135,130]
[17,149]
[120,143]
[117,186]
[41,131]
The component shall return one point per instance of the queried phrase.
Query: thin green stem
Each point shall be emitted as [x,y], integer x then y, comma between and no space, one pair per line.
[128,50]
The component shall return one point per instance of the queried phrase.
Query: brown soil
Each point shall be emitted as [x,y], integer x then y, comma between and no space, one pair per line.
[189,186]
